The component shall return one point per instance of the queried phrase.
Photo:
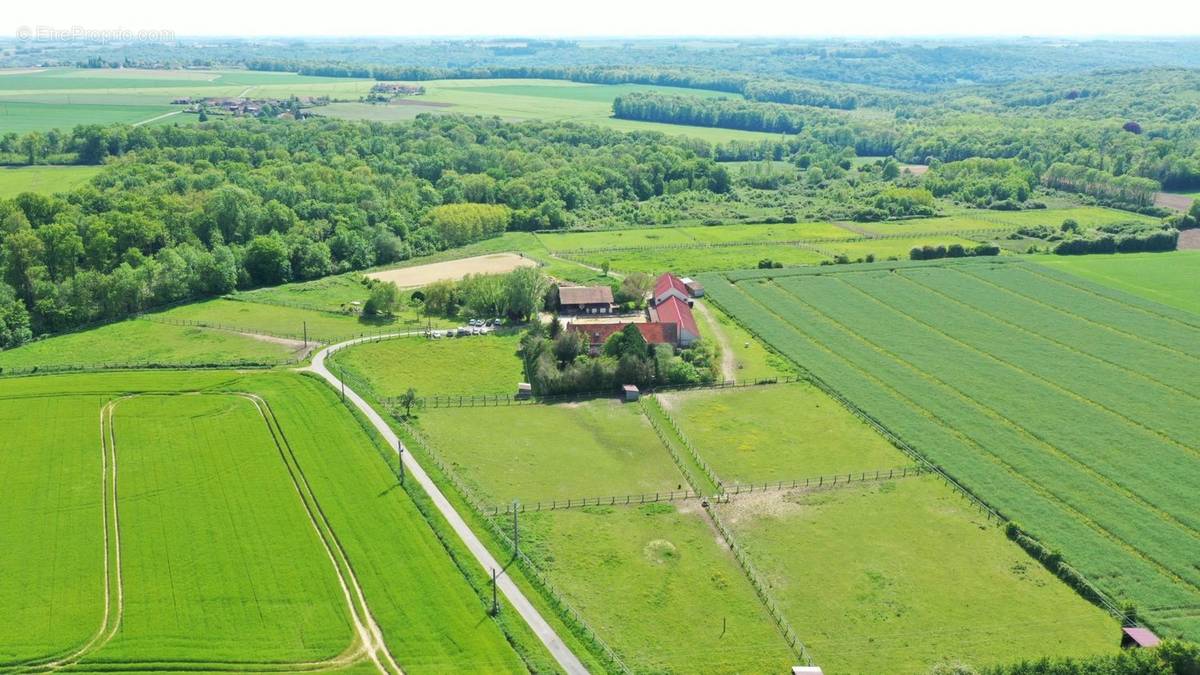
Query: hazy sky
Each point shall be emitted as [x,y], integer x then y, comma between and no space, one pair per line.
[611,17]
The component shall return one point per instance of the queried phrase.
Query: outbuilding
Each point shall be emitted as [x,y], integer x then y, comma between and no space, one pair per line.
[524,391]
[585,300]
[631,392]
[1138,637]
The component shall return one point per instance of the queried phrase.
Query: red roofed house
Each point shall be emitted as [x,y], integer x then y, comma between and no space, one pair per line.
[669,286]
[676,311]
[598,333]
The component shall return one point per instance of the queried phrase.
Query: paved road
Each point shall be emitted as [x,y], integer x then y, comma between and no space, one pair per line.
[569,662]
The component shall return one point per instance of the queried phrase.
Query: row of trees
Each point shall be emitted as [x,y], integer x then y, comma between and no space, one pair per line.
[187,212]
[520,294]
[714,112]
[1128,191]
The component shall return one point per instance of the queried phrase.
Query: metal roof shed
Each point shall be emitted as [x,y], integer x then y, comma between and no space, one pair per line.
[1138,637]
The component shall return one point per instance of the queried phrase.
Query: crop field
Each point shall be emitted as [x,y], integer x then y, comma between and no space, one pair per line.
[275,583]
[778,432]
[655,585]
[535,99]
[1002,373]
[552,452]
[476,364]
[43,179]
[949,224]
[1086,216]
[64,97]
[1170,278]
[911,575]
[137,341]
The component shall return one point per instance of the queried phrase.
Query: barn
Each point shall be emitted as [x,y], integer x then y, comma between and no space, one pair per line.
[585,300]
[678,312]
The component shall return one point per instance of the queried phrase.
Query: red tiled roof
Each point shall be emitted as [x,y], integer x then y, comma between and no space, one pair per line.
[653,333]
[585,295]
[666,282]
[674,310]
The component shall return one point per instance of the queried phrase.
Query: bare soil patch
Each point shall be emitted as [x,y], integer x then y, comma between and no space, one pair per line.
[1189,240]
[1172,201]
[915,169]
[453,270]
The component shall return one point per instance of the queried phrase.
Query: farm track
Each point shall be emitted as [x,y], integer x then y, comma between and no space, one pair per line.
[541,628]
[994,458]
[367,644]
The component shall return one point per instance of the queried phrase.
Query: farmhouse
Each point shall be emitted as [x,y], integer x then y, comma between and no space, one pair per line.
[652,333]
[669,286]
[585,300]
[677,312]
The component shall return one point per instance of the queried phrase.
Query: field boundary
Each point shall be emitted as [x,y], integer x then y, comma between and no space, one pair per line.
[54,369]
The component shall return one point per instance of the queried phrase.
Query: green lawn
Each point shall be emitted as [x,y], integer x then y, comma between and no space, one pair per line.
[778,432]
[656,586]
[471,365]
[43,179]
[552,452]
[899,576]
[142,341]
[1170,278]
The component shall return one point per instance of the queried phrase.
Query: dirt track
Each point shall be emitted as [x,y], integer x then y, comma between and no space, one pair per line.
[1172,201]
[453,270]
[728,361]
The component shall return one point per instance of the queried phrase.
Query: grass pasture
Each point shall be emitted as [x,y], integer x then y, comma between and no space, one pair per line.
[138,341]
[700,259]
[1002,373]
[887,248]
[552,452]
[478,364]
[778,432]
[656,587]
[43,179]
[260,589]
[911,575]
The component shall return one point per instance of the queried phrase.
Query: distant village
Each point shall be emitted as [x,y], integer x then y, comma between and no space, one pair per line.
[386,92]
[280,108]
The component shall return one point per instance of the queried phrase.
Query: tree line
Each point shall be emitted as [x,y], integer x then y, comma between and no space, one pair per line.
[189,212]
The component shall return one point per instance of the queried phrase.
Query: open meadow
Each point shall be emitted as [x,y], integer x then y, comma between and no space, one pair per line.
[309,558]
[911,575]
[1172,278]
[469,365]
[977,364]
[43,179]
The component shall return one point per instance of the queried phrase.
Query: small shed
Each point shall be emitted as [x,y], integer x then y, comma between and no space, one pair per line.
[524,391]
[694,288]
[631,392]
[1138,637]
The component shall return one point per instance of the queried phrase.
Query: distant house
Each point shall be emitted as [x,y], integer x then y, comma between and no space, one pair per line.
[669,286]
[598,333]
[676,311]
[585,300]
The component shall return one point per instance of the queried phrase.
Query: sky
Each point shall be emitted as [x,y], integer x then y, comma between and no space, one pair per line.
[602,18]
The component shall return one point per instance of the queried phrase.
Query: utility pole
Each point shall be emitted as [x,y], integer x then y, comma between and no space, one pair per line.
[495,603]
[400,457]
[305,334]
[516,531]
[342,379]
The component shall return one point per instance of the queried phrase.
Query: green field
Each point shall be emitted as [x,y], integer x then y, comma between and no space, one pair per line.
[246,463]
[703,259]
[656,586]
[1170,278]
[910,575]
[471,365]
[534,99]
[290,321]
[1086,216]
[43,179]
[139,341]
[778,432]
[887,248]
[552,452]
[751,359]
[713,234]
[979,363]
